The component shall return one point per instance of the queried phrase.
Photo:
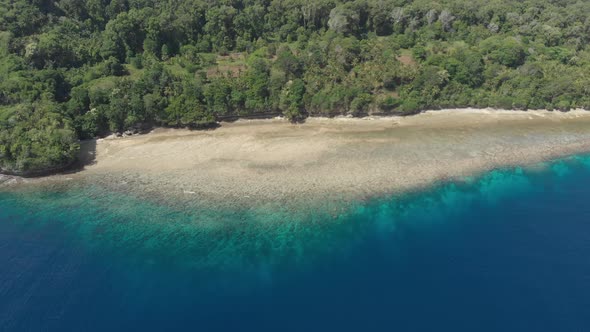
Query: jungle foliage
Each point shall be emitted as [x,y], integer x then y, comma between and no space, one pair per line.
[77,69]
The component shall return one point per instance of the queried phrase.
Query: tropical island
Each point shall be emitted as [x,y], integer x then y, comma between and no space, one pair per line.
[74,70]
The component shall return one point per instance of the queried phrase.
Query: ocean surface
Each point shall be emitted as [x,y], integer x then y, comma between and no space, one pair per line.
[505,251]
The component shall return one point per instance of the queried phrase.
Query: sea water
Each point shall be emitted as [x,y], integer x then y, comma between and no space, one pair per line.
[508,250]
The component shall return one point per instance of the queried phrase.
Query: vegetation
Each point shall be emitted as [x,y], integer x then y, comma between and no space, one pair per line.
[75,69]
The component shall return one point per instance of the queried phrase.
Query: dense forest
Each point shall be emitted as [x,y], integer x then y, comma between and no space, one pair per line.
[78,69]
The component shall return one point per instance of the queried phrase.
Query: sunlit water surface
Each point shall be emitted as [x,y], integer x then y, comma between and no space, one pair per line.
[506,251]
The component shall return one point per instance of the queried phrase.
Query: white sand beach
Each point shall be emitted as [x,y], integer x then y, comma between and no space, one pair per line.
[276,161]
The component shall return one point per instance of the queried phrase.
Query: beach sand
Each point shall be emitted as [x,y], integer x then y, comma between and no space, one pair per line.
[274,161]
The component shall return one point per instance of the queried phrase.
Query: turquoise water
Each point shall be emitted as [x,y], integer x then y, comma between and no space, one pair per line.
[504,251]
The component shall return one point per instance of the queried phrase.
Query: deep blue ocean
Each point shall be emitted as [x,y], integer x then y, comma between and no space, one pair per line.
[505,251]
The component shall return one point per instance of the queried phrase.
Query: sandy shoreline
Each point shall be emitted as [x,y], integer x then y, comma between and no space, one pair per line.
[327,159]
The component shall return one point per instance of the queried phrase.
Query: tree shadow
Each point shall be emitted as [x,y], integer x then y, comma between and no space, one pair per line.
[207,126]
[86,156]
[254,116]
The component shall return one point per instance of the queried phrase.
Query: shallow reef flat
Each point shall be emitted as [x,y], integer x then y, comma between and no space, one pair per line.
[262,162]
[259,239]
